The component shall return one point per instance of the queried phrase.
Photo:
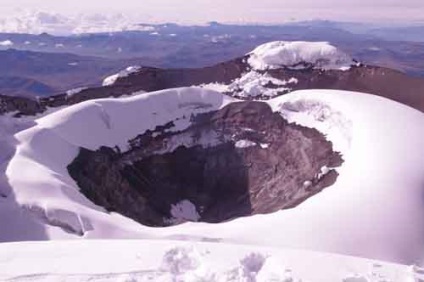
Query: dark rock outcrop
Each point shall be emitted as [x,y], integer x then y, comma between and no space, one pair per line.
[19,106]
[241,160]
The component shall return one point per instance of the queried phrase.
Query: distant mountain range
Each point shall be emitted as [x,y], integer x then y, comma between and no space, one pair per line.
[28,73]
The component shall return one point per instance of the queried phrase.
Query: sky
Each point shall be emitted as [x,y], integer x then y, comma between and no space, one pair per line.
[233,11]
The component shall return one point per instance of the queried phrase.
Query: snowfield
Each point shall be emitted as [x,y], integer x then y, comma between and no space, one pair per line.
[375,209]
[166,261]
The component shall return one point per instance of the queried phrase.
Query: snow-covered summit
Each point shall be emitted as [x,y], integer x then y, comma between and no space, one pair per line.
[298,54]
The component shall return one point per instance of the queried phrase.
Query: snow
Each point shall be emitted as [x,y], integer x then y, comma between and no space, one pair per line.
[245,144]
[163,260]
[8,127]
[220,38]
[219,87]
[254,84]
[110,80]
[334,123]
[23,220]
[6,43]
[374,210]
[290,54]
[74,91]
[264,145]
[307,183]
[184,211]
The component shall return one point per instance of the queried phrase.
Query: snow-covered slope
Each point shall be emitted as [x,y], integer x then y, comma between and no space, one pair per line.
[374,210]
[146,260]
[298,54]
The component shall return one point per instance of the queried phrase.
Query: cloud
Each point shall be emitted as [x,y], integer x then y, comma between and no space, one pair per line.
[264,11]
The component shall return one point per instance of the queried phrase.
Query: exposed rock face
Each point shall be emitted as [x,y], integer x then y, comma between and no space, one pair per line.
[238,161]
[19,105]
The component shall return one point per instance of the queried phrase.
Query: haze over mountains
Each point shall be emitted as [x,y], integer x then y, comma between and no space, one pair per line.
[41,73]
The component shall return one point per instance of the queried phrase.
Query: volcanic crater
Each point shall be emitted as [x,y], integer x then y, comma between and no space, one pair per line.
[241,160]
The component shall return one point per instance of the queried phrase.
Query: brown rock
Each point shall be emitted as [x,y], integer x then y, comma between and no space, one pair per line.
[221,178]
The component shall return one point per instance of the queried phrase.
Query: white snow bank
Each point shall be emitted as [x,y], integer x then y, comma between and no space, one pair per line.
[9,126]
[290,54]
[110,80]
[108,261]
